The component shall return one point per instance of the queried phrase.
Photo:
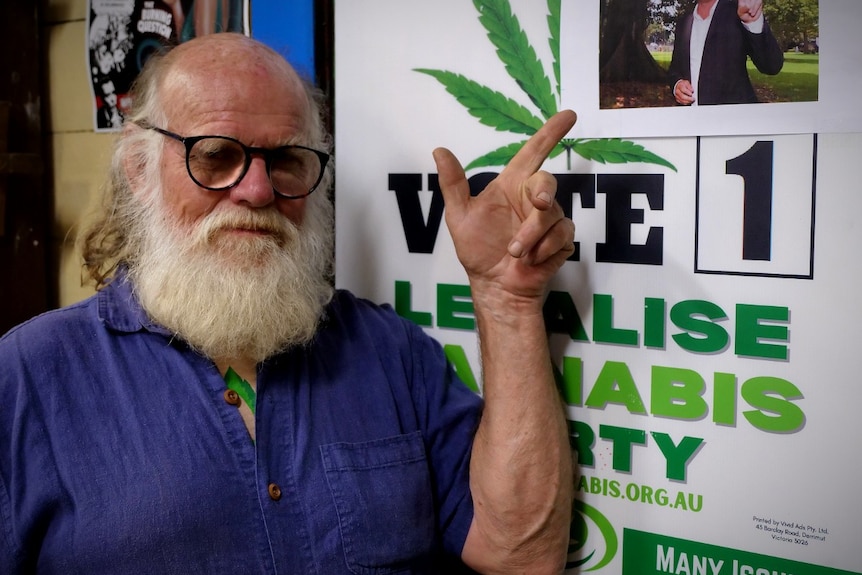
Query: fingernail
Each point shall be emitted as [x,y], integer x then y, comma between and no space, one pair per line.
[516,250]
[545,197]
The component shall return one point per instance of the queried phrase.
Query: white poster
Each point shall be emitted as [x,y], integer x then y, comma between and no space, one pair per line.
[703,331]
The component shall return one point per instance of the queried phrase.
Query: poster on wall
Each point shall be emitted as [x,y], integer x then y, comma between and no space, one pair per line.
[801,65]
[703,332]
[123,34]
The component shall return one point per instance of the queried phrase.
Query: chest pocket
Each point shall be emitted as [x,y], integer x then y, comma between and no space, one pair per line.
[382,493]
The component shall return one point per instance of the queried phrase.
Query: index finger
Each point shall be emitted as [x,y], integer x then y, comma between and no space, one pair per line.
[533,154]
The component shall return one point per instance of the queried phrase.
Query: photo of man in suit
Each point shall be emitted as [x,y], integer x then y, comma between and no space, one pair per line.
[108,114]
[712,44]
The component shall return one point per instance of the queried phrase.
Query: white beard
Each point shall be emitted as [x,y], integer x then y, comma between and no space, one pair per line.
[230,295]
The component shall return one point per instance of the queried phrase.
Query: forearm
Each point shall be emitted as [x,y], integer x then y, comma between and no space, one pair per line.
[511,239]
[521,469]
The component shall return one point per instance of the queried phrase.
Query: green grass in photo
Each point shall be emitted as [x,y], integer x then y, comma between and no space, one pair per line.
[797,82]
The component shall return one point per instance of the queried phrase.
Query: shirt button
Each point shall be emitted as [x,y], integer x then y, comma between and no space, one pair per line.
[232,397]
[274,492]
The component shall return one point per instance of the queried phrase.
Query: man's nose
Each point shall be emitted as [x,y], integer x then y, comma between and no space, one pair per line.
[254,189]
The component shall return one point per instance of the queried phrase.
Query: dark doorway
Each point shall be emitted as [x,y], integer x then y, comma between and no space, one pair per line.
[24,200]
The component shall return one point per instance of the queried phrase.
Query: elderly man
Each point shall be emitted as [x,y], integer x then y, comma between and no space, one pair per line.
[218,408]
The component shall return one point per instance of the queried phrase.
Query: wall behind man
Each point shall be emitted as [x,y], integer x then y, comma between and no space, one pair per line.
[80,155]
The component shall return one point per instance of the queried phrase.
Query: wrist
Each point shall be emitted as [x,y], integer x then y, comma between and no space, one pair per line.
[492,302]
[755,26]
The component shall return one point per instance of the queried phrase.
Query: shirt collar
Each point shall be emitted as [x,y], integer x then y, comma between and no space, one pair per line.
[711,12]
[120,310]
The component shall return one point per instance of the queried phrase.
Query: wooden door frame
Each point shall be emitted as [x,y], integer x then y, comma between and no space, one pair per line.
[27,284]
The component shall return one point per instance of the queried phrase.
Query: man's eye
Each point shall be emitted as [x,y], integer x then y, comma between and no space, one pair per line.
[217,152]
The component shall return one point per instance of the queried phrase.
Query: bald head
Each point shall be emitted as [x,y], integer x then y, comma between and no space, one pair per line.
[219,61]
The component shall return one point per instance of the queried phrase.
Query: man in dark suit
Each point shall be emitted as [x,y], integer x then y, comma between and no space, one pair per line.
[108,115]
[712,45]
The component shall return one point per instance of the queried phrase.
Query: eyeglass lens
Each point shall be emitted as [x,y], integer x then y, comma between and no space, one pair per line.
[218,163]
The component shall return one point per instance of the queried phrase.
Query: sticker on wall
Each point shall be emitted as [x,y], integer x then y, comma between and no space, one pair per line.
[638,68]
[123,34]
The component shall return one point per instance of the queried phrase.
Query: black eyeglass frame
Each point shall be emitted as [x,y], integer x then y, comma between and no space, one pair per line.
[267,153]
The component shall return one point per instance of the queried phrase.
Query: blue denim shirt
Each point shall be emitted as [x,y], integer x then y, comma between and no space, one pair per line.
[120,455]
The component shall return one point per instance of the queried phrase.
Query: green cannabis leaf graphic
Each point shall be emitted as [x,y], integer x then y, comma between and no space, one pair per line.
[505,114]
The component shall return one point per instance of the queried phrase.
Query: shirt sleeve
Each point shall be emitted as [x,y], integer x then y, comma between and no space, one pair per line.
[451,413]
[20,445]
[755,27]
[8,550]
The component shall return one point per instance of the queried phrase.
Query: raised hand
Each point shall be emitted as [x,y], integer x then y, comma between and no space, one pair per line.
[513,236]
[749,10]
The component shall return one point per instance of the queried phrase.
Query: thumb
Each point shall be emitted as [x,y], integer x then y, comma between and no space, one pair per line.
[453,182]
